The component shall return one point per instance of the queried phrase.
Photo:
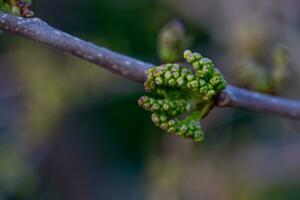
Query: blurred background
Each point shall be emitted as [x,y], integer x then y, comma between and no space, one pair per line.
[71,130]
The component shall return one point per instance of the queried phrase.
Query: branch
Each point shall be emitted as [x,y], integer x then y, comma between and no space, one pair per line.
[132,69]
[236,97]
[38,30]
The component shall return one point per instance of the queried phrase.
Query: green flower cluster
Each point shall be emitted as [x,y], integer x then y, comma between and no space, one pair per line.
[188,128]
[255,76]
[164,106]
[187,94]
[205,81]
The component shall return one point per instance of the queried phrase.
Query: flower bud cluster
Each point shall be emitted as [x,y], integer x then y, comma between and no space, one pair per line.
[164,106]
[206,81]
[210,79]
[185,128]
[180,86]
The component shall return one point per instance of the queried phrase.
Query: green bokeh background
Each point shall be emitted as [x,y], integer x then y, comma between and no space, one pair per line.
[71,130]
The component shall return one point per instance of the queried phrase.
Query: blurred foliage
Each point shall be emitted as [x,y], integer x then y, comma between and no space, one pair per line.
[16,7]
[172,41]
[256,77]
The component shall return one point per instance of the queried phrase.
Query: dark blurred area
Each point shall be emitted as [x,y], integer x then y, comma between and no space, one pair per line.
[71,130]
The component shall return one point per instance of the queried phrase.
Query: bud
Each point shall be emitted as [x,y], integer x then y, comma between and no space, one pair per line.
[185,92]
[171,42]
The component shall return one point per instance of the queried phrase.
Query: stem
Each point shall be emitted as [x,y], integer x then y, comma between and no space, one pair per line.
[205,109]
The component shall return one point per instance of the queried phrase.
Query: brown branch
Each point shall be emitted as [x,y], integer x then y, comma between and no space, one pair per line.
[132,69]
[236,97]
[38,30]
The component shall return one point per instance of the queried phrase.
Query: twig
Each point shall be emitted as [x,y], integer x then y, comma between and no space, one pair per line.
[236,97]
[132,69]
[38,30]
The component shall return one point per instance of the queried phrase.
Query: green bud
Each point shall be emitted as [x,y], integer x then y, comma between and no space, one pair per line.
[158,80]
[180,81]
[198,136]
[155,107]
[188,55]
[184,72]
[155,118]
[172,82]
[211,93]
[164,126]
[166,107]
[160,102]
[221,86]
[189,134]
[168,75]
[205,61]
[171,123]
[183,128]
[203,90]
[169,66]
[163,118]
[194,84]
[151,100]
[176,74]
[197,66]
[171,130]
[184,91]
[176,68]
[190,77]
[146,106]
[202,82]
[172,41]
[215,80]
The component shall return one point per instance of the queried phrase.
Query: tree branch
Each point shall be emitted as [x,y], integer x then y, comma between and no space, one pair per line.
[132,69]
[236,97]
